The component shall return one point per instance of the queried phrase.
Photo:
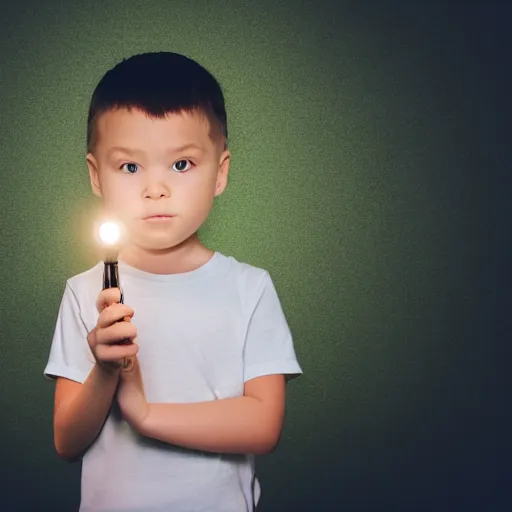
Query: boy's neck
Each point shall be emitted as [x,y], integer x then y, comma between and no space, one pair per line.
[185,257]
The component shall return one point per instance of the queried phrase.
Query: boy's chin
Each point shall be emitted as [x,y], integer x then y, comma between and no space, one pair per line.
[157,245]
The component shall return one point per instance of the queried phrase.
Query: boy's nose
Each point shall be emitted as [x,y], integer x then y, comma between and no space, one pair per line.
[156,188]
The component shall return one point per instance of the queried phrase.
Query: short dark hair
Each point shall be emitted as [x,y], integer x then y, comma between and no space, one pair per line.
[159,83]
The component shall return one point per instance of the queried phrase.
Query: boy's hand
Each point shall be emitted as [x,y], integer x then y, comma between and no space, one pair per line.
[131,397]
[110,339]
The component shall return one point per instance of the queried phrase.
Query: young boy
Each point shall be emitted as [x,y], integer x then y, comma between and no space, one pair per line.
[177,430]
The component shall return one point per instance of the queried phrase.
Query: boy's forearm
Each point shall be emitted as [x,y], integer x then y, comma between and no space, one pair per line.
[79,420]
[232,425]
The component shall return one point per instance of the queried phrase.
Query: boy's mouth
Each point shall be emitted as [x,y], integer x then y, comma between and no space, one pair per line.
[158,216]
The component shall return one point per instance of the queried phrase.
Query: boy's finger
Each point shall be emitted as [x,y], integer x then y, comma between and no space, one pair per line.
[107,297]
[114,313]
[112,353]
[116,333]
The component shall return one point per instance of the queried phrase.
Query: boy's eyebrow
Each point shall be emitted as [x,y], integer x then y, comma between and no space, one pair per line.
[128,151]
[185,147]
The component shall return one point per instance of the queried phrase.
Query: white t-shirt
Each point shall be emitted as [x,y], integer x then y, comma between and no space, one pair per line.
[201,335]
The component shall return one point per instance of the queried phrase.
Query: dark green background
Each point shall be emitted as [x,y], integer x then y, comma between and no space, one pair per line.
[365,140]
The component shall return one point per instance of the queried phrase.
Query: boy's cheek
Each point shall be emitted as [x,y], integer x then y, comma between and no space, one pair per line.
[117,195]
[112,206]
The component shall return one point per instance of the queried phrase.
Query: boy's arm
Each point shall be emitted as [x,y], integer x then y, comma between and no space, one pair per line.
[248,424]
[81,409]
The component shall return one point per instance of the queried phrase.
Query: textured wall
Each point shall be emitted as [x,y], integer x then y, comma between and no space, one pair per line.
[363,136]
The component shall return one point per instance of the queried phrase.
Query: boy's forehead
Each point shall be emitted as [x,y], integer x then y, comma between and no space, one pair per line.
[123,126]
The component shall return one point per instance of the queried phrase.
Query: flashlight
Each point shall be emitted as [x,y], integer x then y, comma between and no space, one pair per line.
[110,236]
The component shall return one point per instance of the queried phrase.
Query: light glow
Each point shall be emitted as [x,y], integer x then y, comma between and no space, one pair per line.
[110,233]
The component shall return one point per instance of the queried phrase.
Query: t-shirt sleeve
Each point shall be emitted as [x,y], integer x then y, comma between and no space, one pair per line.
[269,346]
[70,355]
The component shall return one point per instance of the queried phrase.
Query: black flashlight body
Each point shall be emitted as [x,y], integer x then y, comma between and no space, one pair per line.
[111,280]
[111,277]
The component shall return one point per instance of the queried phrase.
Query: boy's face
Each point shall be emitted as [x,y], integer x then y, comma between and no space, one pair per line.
[159,176]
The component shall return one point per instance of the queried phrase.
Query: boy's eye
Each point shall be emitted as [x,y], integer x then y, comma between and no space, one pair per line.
[181,165]
[130,167]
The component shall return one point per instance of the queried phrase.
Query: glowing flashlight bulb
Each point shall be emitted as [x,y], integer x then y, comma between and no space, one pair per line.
[109,233]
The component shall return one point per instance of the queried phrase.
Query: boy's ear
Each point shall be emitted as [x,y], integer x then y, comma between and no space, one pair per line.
[93,174]
[222,175]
